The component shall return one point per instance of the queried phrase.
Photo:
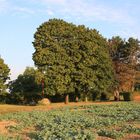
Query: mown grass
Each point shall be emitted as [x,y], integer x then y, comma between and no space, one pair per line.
[5,108]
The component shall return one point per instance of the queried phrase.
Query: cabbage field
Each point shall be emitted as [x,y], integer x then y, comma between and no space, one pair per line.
[86,122]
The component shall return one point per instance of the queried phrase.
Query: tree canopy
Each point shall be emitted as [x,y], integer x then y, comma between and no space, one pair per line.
[25,83]
[125,55]
[4,75]
[72,58]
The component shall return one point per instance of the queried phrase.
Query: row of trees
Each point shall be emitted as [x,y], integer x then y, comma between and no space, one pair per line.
[78,62]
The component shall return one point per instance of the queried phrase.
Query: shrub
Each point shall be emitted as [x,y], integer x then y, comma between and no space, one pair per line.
[104,97]
[95,96]
[127,96]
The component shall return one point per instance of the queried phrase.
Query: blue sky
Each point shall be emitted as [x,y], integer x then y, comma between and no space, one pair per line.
[20,18]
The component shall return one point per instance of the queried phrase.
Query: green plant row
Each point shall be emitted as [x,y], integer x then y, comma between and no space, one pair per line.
[78,123]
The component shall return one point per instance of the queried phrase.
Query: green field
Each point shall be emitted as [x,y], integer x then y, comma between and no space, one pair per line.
[85,122]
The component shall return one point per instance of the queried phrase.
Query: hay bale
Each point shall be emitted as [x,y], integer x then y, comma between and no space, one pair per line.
[44,101]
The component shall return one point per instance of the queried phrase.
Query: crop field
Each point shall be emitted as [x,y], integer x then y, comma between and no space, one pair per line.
[84,122]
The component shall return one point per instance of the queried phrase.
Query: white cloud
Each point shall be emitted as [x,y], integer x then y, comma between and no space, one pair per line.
[50,12]
[84,11]
[23,10]
[54,1]
[87,11]
[9,7]
[130,32]
[93,11]
[3,6]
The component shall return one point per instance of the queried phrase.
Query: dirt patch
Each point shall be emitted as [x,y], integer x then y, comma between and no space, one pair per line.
[4,130]
[137,98]
[132,137]
[127,137]
[4,125]
[103,138]
[27,132]
[137,125]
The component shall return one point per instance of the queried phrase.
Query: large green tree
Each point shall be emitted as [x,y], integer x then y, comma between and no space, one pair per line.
[4,76]
[73,59]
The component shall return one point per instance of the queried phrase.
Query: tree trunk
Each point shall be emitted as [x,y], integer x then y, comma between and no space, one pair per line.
[67,99]
[116,95]
[86,99]
[77,95]
[42,83]
[76,99]
[133,83]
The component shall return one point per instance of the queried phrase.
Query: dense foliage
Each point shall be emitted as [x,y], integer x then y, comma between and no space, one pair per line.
[77,123]
[137,79]
[4,76]
[125,56]
[74,59]
[25,87]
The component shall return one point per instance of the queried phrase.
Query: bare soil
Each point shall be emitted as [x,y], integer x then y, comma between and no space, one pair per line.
[4,126]
[137,98]
[103,138]
[131,137]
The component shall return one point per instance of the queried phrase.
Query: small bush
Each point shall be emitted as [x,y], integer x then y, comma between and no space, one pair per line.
[127,96]
[104,97]
[95,96]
